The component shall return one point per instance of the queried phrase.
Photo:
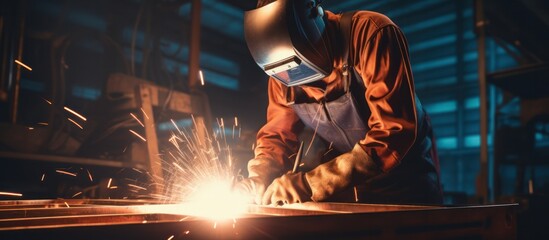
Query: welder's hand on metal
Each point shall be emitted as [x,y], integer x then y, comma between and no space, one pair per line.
[290,188]
[345,170]
[253,187]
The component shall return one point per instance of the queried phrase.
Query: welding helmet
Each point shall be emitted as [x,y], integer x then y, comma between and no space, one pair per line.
[285,40]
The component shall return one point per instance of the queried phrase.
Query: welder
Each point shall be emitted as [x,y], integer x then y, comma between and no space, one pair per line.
[348,77]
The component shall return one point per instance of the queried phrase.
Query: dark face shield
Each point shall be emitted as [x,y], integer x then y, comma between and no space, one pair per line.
[285,40]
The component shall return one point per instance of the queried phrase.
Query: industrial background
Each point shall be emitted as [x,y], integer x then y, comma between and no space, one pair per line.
[480,70]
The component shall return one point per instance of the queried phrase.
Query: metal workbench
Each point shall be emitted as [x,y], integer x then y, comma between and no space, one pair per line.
[137,219]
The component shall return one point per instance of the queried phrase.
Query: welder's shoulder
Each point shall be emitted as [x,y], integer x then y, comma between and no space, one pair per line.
[373,20]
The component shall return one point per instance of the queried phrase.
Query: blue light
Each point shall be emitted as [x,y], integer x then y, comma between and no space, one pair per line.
[472,103]
[447,143]
[474,140]
[86,92]
[181,124]
[441,107]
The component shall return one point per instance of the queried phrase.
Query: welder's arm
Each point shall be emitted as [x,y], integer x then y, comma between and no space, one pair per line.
[276,142]
[324,180]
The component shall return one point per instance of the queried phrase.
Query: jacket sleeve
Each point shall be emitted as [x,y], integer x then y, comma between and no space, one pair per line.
[381,59]
[277,139]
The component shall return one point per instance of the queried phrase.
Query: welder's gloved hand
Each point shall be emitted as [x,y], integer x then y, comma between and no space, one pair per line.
[342,172]
[261,172]
[290,188]
[252,187]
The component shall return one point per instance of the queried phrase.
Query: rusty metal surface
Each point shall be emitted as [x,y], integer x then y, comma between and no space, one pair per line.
[128,219]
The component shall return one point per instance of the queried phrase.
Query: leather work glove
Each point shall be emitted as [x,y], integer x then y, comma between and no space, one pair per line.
[252,187]
[290,188]
[341,172]
[261,172]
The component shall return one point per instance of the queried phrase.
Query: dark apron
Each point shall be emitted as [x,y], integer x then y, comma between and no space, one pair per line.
[414,181]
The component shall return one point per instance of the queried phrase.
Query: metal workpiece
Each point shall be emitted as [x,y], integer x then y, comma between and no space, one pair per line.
[141,219]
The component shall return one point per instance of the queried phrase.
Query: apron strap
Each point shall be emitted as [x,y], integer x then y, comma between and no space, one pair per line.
[345,28]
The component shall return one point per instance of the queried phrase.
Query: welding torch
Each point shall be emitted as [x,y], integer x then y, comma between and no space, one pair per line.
[298,158]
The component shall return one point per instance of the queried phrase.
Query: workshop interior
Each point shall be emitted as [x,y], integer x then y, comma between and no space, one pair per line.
[106,106]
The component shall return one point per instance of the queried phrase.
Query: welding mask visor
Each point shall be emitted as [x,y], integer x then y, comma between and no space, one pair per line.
[285,40]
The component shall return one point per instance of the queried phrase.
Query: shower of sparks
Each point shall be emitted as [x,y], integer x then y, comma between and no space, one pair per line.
[137,119]
[139,136]
[75,113]
[23,65]
[66,173]
[201,77]
[75,123]
[201,174]
[43,176]
[11,194]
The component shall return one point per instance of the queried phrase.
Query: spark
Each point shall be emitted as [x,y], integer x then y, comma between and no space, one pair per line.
[113,187]
[48,101]
[89,175]
[144,113]
[137,170]
[144,221]
[75,123]
[171,237]
[175,125]
[109,183]
[75,113]
[11,194]
[236,121]
[66,204]
[314,134]
[31,128]
[43,176]
[76,194]
[23,65]
[137,134]
[43,123]
[137,119]
[138,187]
[66,173]
[178,167]
[201,77]
[187,232]
[215,225]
